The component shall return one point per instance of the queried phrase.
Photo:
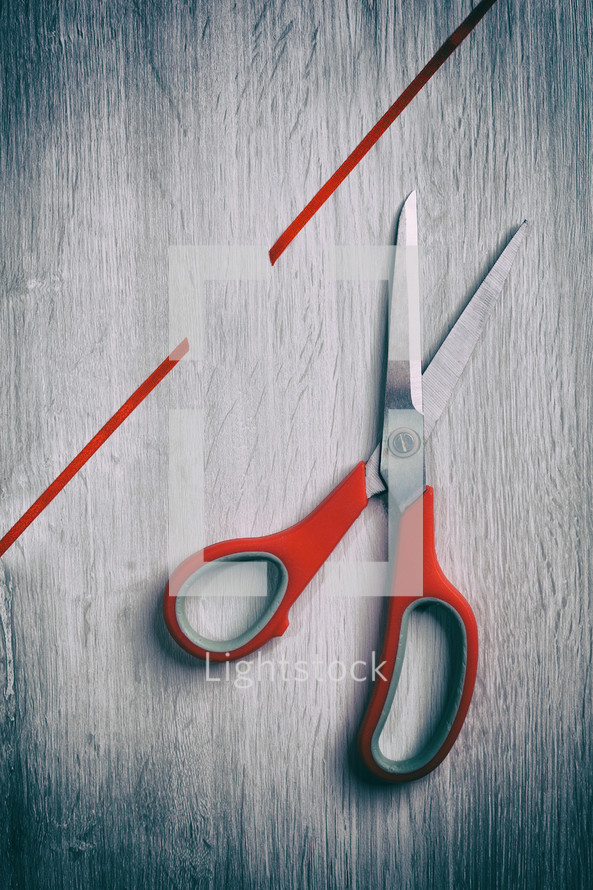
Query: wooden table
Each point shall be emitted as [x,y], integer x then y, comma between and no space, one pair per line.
[133,130]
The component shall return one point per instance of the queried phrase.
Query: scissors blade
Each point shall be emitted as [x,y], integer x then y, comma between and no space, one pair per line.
[441,377]
[402,452]
[403,384]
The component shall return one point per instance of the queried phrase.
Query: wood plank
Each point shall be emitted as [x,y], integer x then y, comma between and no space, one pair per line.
[130,129]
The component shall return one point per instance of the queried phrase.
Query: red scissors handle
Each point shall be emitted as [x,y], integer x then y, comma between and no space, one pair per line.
[436,589]
[297,552]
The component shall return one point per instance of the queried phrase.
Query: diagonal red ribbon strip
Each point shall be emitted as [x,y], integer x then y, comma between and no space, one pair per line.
[380,127]
[89,449]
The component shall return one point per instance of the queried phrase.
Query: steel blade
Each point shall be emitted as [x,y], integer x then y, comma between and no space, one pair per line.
[403,385]
[441,377]
[402,452]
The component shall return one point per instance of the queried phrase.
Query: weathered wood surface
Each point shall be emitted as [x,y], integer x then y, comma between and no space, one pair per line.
[128,128]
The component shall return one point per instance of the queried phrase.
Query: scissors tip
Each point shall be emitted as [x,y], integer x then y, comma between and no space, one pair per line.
[410,202]
[407,231]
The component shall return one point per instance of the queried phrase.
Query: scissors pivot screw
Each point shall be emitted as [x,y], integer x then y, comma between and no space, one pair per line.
[403,442]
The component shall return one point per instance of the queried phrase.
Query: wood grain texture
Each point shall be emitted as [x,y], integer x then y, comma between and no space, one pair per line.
[128,128]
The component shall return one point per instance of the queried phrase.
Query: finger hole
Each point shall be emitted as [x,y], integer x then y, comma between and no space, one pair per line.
[429,687]
[228,599]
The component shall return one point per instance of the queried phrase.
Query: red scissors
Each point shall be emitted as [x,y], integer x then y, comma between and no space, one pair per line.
[413,403]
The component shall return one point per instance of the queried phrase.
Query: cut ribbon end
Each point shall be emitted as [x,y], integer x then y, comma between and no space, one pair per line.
[274,252]
[179,351]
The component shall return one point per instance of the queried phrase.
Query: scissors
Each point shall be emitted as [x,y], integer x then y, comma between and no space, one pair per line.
[413,402]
